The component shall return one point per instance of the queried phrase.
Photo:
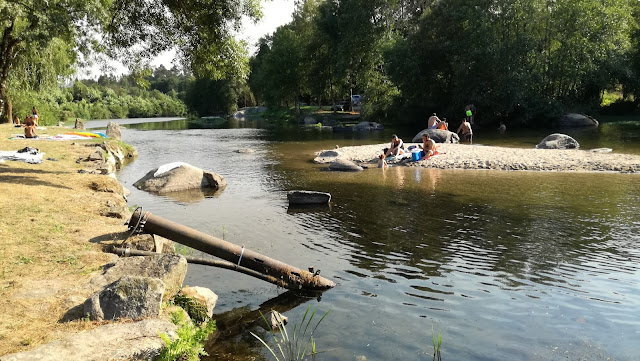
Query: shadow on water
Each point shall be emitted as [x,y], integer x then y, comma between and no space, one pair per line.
[232,340]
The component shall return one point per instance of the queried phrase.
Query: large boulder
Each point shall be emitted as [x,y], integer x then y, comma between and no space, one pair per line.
[113,131]
[169,268]
[179,176]
[79,124]
[574,120]
[203,296]
[558,141]
[116,341]
[344,165]
[131,297]
[362,126]
[438,136]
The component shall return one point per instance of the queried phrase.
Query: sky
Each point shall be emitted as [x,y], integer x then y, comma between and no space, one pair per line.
[275,13]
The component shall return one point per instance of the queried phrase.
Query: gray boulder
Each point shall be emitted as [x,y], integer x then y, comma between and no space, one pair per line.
[169,268]
[131,297]
[79,124]
[116,341]
[147,242]
[574,120]
[326,156]
[175,177]
[113,131]
[308,197]
[558,141]
[344,165]
[363,126]
[438,136]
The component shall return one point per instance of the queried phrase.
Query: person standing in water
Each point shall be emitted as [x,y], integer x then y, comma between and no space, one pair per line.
[465,128]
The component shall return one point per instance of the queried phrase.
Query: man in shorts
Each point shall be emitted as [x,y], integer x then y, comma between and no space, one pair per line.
[465,128]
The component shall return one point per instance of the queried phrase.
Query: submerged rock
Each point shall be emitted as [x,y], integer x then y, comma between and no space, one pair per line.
[343,165]
[558,141]
[308,197]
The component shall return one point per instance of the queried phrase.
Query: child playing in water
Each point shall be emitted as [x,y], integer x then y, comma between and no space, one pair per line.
[382,163]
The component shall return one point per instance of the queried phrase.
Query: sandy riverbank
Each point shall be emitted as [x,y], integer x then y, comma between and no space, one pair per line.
[464,156]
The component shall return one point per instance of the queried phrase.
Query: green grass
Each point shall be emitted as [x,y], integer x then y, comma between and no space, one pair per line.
[298,346]
[436,338]
[189,345]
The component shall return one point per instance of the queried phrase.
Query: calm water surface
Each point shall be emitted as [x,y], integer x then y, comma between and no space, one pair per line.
[505,265]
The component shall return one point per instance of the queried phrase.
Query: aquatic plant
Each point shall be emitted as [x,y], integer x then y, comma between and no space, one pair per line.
[189,344]
[298,346]
[437,344]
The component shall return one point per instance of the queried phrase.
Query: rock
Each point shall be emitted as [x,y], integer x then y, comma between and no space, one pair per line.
[601,150]
[179,178]
[363,126]
[326,156]
[79,124]
[438,136]
[308,197]
[131,297]
[116,210]
[171,269]
[113,131]
[245,150]
[203,296]
[116,341]
[310,120]
[114,152]
[98,155]
[344,165]
[574,120]
[558,141]
[329,153]
[274,318]
[149,243]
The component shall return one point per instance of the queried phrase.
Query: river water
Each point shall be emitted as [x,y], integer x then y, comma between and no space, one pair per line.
[504,265]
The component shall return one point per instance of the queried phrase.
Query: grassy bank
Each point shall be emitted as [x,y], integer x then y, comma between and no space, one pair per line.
[49,226]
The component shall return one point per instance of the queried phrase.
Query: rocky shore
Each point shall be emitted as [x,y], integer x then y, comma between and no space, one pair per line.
[61,295]
[464,156]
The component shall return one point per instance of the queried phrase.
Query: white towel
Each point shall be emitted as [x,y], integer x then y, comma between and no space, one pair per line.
[167,167]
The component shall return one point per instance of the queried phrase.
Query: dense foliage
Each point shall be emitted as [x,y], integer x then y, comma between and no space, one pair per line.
[523,61]
[41,42]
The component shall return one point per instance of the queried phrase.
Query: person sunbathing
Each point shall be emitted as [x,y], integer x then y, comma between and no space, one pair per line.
[396,148]
[30,128]
[428,146]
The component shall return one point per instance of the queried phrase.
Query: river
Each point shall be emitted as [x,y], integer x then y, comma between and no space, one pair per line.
[504,265]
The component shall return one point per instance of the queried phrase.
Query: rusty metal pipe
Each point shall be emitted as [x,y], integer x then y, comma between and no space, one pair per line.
[291,277]
[203,261]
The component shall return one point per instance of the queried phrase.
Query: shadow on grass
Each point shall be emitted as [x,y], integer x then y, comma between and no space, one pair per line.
[29,181]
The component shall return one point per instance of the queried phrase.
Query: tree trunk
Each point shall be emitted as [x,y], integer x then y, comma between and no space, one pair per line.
[7,46]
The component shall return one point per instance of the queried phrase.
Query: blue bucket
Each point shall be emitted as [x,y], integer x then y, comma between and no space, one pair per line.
[416,154]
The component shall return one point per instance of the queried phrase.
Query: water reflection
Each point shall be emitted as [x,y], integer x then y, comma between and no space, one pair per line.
[545,263]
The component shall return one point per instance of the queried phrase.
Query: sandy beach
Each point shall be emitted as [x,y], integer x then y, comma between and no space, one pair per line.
[464,156]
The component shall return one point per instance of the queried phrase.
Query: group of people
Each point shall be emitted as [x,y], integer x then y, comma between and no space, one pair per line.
[29,123]
[428,145]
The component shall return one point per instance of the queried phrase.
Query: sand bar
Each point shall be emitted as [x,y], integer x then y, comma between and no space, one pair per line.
[464,156]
